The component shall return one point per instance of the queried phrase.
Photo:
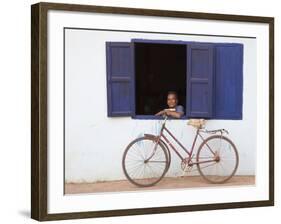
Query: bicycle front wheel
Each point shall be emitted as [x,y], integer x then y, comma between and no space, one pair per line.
[145,163]
[217,159]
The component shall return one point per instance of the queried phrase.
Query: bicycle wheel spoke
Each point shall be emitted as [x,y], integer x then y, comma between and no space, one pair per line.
[156,161]
[152,171]
[227,159]
[206,157]
[133,165]
[208,165]
[141,153]
[135,156]
[142,174]
[220,164]
[134,171]
[147,150]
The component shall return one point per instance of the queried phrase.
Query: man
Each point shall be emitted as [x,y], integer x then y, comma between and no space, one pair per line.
[174,110]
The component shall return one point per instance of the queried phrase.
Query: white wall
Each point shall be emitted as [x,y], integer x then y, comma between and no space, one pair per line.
[95,143]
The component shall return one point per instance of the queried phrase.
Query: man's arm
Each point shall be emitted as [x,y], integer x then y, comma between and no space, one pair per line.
[178,112]
[160,113]
[174,114]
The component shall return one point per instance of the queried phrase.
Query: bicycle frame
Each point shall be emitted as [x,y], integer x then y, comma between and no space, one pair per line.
[189,152]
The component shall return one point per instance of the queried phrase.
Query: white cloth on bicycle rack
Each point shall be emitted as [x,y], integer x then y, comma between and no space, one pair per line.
[197,123]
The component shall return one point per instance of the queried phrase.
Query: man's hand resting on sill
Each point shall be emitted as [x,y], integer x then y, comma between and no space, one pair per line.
[170,112]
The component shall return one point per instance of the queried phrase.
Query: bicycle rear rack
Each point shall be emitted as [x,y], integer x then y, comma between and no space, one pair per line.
[221,131]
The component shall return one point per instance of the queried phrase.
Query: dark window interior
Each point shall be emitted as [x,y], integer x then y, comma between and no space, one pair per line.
[159,68]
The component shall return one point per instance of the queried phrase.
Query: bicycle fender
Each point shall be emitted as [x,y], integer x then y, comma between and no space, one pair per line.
[153,137]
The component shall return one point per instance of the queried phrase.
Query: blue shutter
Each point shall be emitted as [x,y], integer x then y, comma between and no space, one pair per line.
[199,80]
[119,65]
[228,81]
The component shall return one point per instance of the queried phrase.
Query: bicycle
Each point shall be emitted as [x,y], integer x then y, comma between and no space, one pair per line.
[147,159]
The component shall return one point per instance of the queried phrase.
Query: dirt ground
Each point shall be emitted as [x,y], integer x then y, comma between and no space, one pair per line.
[165,183]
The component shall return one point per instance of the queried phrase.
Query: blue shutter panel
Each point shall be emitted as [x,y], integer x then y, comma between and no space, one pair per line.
[119,65]
[228,81]
[199,80]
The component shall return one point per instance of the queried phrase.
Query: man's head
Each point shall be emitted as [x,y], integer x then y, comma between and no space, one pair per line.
[172,99]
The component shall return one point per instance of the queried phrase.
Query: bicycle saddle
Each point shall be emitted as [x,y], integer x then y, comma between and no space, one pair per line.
[197,123]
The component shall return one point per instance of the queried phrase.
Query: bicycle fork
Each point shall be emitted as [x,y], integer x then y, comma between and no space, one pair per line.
[154,150]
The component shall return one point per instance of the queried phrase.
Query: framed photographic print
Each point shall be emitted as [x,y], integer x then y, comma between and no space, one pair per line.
[141,111]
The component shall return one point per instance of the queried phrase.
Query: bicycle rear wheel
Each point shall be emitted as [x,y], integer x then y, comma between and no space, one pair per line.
[217,159]
[145,163]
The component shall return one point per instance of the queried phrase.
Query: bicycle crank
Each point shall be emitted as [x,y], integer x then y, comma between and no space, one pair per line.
[186,166]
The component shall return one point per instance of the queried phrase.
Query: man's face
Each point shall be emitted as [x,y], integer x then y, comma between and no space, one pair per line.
[172,100]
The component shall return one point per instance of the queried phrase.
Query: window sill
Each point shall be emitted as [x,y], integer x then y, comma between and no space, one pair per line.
[153,117]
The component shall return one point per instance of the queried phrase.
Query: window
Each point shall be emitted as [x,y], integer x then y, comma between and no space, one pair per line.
[207,76]
[159,68]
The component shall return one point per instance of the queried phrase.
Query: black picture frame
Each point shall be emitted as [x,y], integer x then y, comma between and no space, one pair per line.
[39,108]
